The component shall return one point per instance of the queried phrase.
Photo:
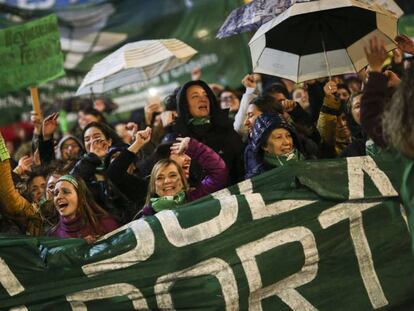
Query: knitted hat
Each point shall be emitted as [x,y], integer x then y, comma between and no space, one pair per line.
[266,123]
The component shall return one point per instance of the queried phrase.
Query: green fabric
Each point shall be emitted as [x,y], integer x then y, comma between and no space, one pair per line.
[276,161]
[115,23]
[199,121]
[167,202]
[4,152]
[30,54]
[69,179]
[328,233]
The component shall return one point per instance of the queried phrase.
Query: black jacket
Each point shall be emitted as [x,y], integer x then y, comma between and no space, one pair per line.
[219,134]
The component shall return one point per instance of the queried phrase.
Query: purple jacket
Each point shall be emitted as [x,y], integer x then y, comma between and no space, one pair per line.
[76,229]
[214,167]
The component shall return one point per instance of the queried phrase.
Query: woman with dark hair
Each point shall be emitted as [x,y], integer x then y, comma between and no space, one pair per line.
[101,144]
[199,116]
[79,215]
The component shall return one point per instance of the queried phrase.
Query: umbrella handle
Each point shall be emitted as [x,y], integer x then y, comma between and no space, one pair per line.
[328,67]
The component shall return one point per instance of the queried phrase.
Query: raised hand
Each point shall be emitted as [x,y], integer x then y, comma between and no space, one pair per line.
[181,146]
[141,138]
[150,109]
[405,43]
[99,147]
[288,105]
[196,73]
[249,81]
[50,125]
[393,79]
[24,166]
[376,54]
[167,117]
[330,88]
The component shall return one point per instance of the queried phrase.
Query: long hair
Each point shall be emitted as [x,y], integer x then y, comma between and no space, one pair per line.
[398,118]
[108,132]
[90,212]
[160,165]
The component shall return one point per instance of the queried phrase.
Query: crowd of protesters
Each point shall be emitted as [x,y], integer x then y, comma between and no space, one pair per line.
[96,177]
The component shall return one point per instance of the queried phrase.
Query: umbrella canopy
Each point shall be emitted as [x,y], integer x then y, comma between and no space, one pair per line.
[251,16]
[135,62]
[320,38]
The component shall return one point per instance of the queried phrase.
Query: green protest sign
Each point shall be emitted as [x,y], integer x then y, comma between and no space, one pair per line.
[290,239]
[30,54]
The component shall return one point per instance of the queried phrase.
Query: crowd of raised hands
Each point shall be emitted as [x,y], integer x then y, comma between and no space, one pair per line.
[96,177]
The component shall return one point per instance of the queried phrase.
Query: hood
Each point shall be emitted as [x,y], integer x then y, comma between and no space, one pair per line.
[218,117]
[265,124]
[65,138]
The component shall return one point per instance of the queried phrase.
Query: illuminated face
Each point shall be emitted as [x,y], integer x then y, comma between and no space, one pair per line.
[70,149]
[168,181]
[251,115]
[50,187]
[65,199]
[37,188]
[184,161]
[198,102]
[356,109]
[85,119]
[279,142]
[92,134]
[343,95]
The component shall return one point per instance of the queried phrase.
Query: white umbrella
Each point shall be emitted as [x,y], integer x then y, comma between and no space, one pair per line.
[135,62]
[320,38]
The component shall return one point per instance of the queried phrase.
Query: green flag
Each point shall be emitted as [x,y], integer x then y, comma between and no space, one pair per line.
[30,54]
[317,235]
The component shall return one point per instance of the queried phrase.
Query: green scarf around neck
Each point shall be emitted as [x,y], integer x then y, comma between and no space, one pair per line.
[167,202]
[199,121]
[280,160]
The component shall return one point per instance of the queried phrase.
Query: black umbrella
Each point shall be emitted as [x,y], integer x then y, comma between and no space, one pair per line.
[320,38]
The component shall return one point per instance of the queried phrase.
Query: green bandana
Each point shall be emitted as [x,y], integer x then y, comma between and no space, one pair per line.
[281,160]
[167,202]
[371,149]
[199,121]
[69,179]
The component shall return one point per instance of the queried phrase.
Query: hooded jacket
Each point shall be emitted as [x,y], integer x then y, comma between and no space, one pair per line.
[263,127]
[219,134]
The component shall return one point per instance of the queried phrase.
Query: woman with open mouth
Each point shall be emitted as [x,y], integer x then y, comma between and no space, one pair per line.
[79,215]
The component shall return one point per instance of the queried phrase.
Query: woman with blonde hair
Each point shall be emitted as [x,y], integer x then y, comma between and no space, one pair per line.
[168,186]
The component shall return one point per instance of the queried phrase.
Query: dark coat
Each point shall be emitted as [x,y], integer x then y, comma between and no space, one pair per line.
[219,135]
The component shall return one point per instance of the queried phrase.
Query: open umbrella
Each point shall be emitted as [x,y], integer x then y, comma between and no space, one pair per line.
[135,62]
[251,16]
[320,38]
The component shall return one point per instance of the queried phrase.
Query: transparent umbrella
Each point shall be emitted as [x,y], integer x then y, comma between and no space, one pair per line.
[135,62]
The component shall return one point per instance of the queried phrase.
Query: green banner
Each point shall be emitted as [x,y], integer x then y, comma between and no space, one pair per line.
[90,30]
[30,54]
[319,235]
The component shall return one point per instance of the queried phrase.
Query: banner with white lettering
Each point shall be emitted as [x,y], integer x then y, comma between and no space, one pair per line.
[316,235]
